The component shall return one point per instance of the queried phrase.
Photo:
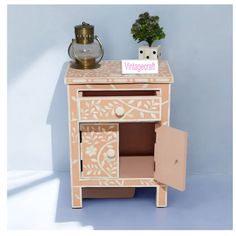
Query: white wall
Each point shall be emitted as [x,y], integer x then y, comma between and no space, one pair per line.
[198,46]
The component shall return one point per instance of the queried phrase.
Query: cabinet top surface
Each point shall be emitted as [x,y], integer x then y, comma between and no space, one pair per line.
[109,72]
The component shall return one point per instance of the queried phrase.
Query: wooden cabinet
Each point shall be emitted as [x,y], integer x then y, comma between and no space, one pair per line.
[120,134]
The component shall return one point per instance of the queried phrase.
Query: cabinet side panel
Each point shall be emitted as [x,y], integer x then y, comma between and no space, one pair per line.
[73,134]
[165,88]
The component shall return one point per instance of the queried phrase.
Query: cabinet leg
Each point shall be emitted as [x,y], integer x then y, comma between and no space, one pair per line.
[77,197]
[161,196]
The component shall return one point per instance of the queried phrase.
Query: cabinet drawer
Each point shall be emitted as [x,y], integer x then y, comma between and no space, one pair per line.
[119,109]
[99,150]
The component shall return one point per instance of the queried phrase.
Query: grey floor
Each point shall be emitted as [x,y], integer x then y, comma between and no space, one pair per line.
[41,200]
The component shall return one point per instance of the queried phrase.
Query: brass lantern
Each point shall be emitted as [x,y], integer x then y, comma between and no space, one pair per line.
[86,52]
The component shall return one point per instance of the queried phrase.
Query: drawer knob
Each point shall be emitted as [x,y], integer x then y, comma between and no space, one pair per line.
[120,111]
[111,153]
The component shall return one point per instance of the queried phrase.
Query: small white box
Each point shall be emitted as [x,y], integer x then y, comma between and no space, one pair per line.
[149,53]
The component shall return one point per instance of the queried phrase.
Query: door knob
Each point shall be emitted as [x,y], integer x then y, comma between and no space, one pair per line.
[111,153]
[120,111]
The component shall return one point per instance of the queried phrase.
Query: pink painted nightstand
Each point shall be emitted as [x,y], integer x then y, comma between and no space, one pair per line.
[119,131]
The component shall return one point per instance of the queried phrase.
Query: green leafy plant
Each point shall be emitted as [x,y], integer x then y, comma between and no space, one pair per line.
[147,28]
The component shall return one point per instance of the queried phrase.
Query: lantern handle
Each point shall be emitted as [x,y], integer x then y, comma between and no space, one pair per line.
[100,44]
[69,50]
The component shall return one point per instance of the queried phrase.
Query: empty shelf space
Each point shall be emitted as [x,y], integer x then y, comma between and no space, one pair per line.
[137,139]
[136,166]
[108,192]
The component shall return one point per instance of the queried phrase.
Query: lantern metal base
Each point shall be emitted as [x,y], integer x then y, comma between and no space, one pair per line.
[86,63]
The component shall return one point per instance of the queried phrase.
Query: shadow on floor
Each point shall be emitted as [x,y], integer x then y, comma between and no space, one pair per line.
[32,184]
[102,213]
[197,208]
[205,205]
[58,120]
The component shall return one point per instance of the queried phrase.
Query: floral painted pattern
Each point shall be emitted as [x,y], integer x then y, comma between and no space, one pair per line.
[110,72]
[132,87]
[120,109]
[91,151]
[99,150]
[120,182]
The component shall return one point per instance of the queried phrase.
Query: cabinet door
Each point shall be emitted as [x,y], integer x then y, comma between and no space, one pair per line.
[99,150]
[170,157]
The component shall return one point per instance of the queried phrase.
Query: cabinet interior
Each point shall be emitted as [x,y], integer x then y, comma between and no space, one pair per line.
[136,148]
[119,93]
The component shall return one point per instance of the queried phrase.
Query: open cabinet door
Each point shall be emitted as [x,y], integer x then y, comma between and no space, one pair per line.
[170,157]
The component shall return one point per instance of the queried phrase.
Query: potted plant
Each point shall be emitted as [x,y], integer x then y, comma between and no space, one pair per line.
[147,28]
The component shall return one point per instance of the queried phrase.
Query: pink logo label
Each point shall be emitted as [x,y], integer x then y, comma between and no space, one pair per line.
[139,66]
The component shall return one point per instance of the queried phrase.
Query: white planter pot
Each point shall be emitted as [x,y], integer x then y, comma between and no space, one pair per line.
[152,53]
